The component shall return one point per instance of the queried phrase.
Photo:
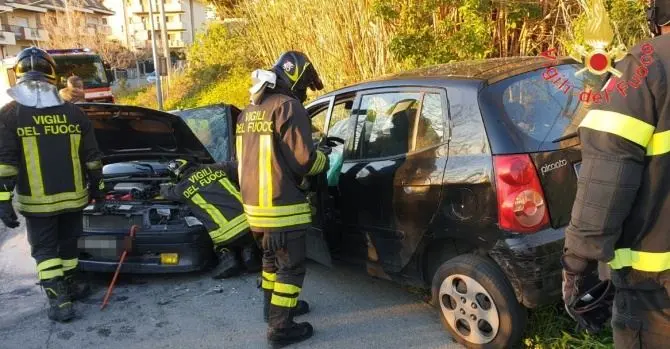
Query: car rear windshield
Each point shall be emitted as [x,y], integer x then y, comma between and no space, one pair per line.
[537,108]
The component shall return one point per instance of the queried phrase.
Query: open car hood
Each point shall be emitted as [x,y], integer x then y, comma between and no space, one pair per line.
[128,133]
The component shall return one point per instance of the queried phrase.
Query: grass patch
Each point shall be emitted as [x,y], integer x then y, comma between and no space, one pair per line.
[549,328]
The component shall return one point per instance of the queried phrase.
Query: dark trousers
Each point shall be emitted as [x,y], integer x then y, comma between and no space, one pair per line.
[283,275]
[641,319]
[53,241]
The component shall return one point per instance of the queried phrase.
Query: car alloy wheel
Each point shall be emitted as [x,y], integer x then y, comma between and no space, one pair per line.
[469,309]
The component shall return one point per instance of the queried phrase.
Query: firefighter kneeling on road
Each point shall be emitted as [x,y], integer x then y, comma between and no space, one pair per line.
[621,214]
[275,152]
[49,152]
[214,199]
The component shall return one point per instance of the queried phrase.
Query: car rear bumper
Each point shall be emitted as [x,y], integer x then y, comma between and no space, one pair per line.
[532,265]
[193,247]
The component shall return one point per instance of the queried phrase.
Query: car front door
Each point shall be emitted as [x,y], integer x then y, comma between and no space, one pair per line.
[391,178]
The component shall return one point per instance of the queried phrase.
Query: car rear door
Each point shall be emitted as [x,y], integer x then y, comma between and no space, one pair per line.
[391,179]
[538,113]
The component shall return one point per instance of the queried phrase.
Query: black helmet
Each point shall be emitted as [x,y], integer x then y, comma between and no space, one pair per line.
[593,308]
[179,167]
[34,64]
[658,15]
[295,69]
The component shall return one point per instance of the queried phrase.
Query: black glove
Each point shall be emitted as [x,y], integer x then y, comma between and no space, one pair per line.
[580,276]
[274,241]
[96,185]
[7,214]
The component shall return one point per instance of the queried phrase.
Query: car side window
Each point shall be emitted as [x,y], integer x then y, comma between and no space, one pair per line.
[319,124]
[432,124]
[385,124]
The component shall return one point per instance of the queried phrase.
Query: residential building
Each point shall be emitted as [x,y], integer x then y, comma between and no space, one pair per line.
[184,18]
[22,21]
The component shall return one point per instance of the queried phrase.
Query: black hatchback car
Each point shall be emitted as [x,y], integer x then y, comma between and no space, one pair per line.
[137,144]
[458,178]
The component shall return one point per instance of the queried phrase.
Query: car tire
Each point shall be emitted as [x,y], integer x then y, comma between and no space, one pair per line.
[472,293]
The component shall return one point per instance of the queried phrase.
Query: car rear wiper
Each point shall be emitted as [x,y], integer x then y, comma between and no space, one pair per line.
[568,136]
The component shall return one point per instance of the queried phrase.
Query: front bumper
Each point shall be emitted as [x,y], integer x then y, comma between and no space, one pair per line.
[532,265]
[100,251]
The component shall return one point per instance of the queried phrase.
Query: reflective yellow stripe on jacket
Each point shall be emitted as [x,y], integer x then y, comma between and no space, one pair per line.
[265,171]
[31,154]
[52,203]
[230,230]
[238,150]
[654,262]
[8,171]
[278,216]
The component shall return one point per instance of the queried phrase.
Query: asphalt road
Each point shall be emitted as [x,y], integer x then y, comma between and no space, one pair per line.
[349,310]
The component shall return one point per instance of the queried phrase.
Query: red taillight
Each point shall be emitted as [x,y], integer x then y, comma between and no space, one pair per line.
[521,203]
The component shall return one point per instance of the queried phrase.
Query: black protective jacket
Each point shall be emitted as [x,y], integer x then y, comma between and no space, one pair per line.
[621,214]
[275,152]
[48,153]
[214,199]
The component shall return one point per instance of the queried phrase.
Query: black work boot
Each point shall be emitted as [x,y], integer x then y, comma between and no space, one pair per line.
[301,308]
[251,258]
[61,308]
[76,289]
[228,265]
[283,331]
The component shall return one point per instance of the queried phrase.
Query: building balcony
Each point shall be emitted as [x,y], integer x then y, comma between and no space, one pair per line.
[170,7]
[19,34]
[173,26]
[176,43]
[7,37]
[35,34]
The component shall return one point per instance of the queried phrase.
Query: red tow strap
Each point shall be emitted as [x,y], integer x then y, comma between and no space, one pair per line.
[127,248]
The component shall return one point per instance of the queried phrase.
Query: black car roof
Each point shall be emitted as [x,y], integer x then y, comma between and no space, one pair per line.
[478,71]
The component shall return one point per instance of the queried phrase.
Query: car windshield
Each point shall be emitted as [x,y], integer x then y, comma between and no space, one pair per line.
[88,67]
[210,125]
[544,105]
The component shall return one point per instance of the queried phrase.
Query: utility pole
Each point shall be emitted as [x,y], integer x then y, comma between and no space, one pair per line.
[166,47]
[159,92]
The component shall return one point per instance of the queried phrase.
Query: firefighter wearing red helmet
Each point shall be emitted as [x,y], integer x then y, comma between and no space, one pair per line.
[621,215]
[49,154]
[275,152]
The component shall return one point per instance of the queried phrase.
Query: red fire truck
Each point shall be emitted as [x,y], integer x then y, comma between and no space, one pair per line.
[89,66]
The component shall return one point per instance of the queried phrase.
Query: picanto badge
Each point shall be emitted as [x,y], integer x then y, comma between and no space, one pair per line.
[597,56]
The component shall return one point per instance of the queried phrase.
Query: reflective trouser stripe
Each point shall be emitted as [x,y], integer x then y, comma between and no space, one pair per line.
[231,188]
[5,196]
[75,140]
[318,164]
[214,213]
[285,295]
[94,165]
[8,170]
[628,127]
[69,264]
[287,288]
[230,230]
[659,144]
[50,269]
[265,171]
[34,168]
[268,280]
[286,302]
[238,149]
[653,262]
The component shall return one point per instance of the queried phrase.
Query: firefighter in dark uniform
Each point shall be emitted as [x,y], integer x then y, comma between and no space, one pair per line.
[48,153]
[621,215]
[214,199]
[275,151]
